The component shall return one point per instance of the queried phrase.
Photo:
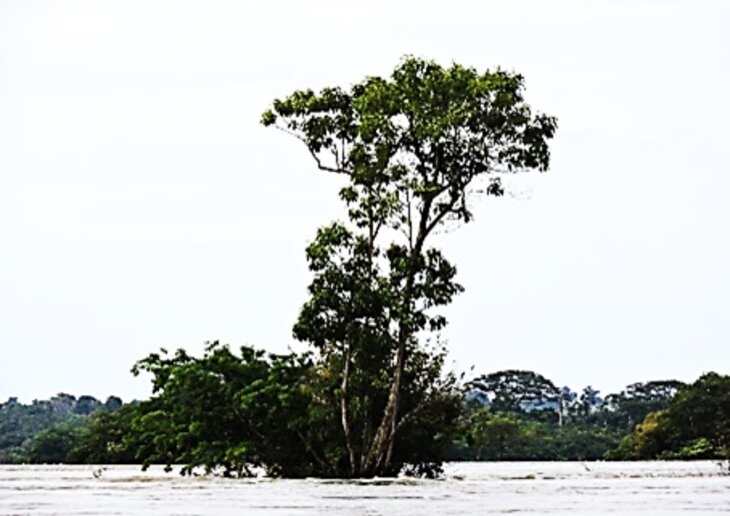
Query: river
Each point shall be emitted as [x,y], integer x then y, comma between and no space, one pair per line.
[534,488]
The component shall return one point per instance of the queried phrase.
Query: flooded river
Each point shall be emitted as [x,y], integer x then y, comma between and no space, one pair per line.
[572,488]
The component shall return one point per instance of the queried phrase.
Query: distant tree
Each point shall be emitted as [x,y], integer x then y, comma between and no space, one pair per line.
[497,436]
[113,403]
[62,404]
[21,423]
[577,442]
[52,445]
[629,407]
[85,405]
[502,436]
[702,410]
[586,405]
[695,425]
[519,392]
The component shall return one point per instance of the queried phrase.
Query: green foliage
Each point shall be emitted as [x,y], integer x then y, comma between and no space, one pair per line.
[492,435]
[53,445]
[532,396]
[237,414]
[21,423]
[412,148]
[629,407]
[577,442]
[700,448]
[548,423]
[497,436]
[229,412]
[108,437]
[305,436]
[695,425]
[523,393]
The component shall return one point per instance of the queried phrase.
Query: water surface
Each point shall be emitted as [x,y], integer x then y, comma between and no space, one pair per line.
[535,488]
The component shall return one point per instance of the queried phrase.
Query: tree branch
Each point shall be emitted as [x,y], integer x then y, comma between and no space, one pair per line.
[320,166]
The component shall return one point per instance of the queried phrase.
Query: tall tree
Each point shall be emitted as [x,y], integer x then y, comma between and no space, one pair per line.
[517,392]
[629,407]
[413,148]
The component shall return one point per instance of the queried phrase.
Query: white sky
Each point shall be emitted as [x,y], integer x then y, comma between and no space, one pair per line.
[142,205]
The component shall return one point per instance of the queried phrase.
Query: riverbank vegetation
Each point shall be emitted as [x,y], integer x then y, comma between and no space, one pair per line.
[208,431]
[411,154]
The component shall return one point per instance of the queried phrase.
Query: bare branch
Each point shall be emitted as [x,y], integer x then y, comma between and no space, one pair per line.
[324,167]
[320,166]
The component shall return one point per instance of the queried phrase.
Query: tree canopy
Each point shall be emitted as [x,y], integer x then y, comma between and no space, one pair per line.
[414,149]
[694,425]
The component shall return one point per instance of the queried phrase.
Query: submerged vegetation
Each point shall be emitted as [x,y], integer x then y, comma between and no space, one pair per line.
[411,150]
[371,397]
[209,412]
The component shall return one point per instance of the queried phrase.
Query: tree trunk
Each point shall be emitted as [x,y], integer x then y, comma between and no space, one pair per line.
[345,415]
[381,449]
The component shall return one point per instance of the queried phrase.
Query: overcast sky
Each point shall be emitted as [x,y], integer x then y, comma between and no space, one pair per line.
[142,204]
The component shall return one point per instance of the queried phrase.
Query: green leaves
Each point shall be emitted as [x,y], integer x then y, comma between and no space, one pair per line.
[227,412]
[268,118]
[695,425]
[409,145]
[427,132]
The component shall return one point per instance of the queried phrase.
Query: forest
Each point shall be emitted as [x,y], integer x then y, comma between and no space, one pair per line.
[506,415]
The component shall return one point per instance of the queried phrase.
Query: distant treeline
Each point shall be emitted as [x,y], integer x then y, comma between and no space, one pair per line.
[46,430]
[508,415]
[521,415]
